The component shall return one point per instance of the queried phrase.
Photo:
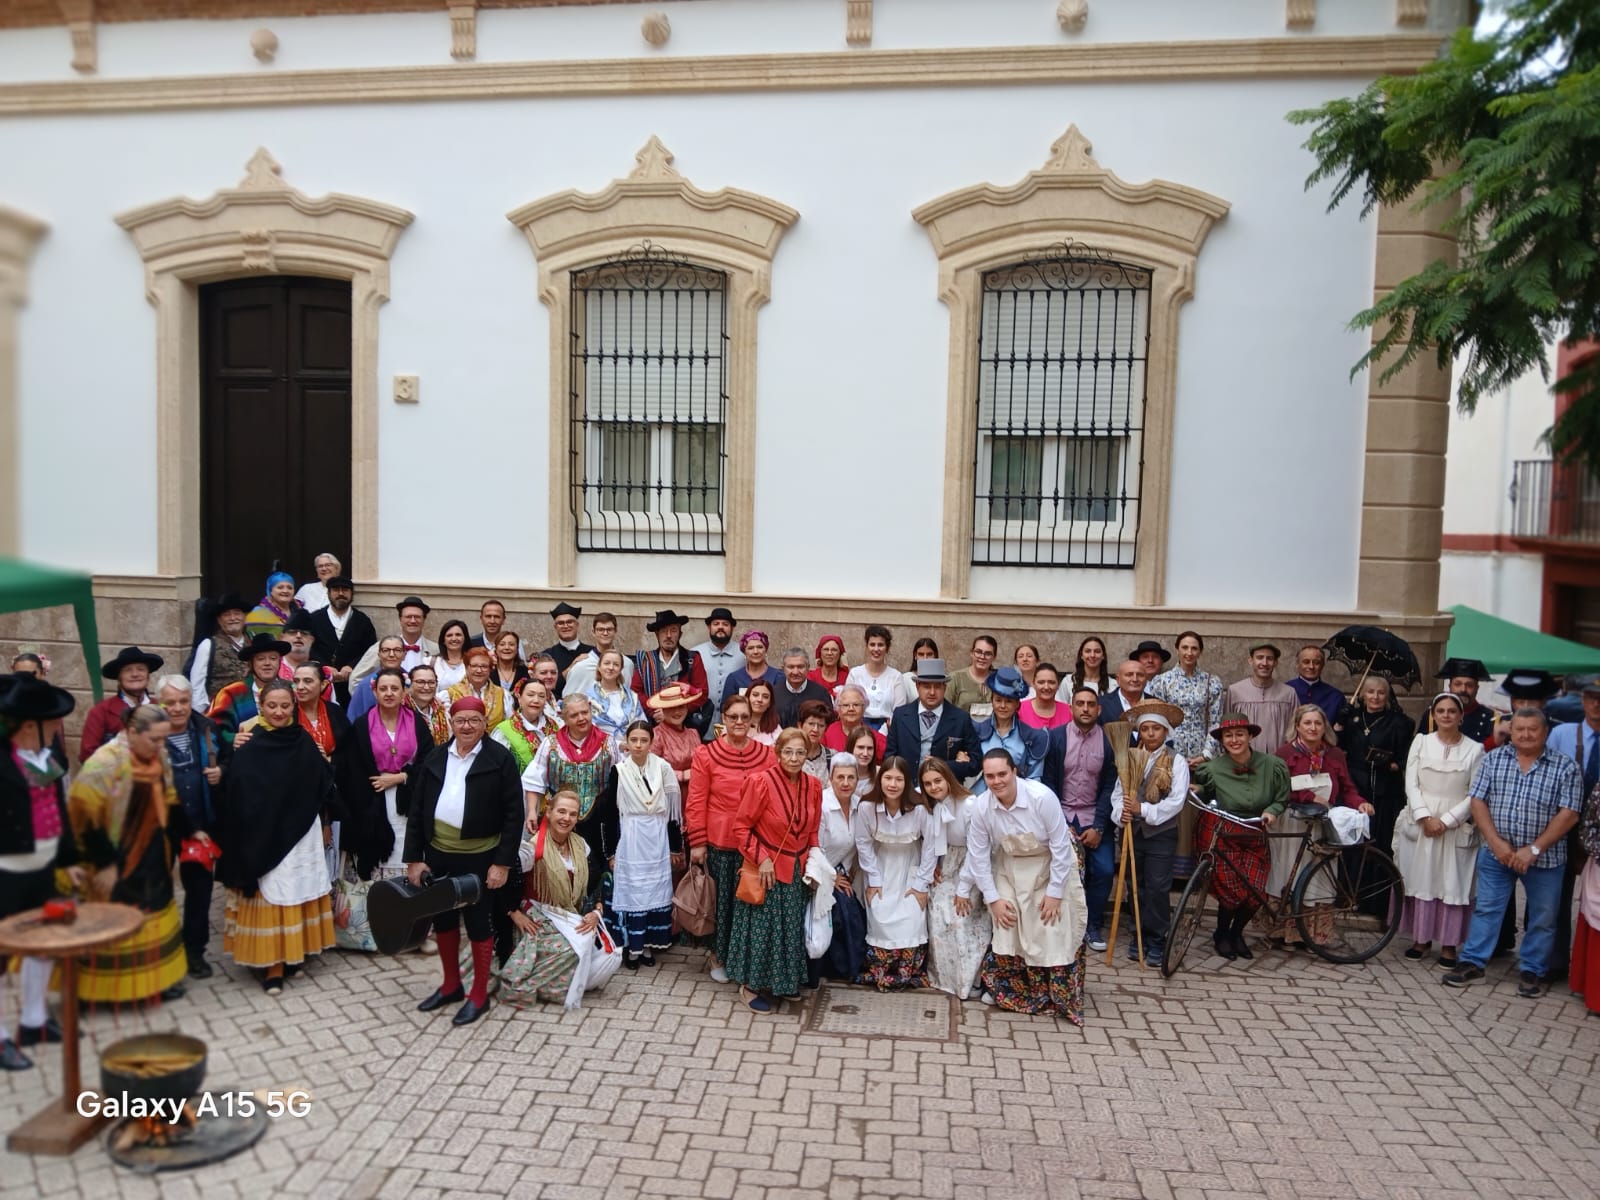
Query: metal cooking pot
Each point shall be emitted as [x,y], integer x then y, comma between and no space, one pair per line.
[173,1085]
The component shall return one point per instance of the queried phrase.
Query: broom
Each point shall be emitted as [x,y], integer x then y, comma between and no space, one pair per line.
[1119,733]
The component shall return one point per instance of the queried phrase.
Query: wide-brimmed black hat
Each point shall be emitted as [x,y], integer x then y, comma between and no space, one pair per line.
[721,614]
[263,643]
[131,656]
[26,697]
[229,601]
[1148,647]
[1529,683]
[1463,668]
[300,621]
[665,617]
[413,602]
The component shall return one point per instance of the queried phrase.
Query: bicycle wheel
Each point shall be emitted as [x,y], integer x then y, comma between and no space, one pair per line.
[1335,899]
[1186,917]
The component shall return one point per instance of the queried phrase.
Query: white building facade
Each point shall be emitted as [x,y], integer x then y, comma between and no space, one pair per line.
[961,315]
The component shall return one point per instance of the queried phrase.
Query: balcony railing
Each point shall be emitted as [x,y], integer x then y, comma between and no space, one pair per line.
[1558,503]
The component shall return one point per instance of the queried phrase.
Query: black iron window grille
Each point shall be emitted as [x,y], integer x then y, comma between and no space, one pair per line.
[1063,343]
[649,404]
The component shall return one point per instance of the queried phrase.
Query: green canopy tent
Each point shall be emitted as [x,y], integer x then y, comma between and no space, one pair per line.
[1505,645]
[25,585]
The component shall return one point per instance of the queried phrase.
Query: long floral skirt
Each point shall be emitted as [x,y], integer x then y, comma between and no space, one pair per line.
[540,965]
[956,945]
[1017,987]
[259,933]
[895,970]
[149,960]
[723,867]
[767,943]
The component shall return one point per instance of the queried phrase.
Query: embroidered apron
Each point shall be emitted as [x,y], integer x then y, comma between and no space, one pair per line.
[1021,865]
[587,779]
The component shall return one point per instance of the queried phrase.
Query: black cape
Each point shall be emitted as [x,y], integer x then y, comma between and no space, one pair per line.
[277,785]
[368,835]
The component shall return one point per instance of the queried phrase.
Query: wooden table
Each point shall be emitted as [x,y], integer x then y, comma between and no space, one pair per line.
[58,1128]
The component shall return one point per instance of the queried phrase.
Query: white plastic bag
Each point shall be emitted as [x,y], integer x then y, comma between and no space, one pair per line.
[819,926]
[1350,826]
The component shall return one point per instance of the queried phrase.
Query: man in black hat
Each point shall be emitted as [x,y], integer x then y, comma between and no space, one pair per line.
[238,702]
[1462,676]
[35,836]
[568,649]
[931,726]
[216,659]
[341,633]
[720,656]
[1153,657]
[131,669]
[412,612]
[669,663]
[298,632]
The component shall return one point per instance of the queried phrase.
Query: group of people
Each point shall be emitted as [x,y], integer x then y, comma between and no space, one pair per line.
[957,829]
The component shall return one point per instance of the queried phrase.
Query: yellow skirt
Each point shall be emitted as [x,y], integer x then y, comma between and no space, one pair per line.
[258,933]
[149,960]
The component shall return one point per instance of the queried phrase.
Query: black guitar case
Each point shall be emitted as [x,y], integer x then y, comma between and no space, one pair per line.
[401,913]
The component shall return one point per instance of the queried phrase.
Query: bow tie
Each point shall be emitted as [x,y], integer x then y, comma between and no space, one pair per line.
[1243,770]
[412,648]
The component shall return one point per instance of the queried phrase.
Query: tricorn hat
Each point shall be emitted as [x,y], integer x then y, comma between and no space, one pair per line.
[665,617]
[263,643]
[130,656]
[26,697]
[1463,668]
[566,610]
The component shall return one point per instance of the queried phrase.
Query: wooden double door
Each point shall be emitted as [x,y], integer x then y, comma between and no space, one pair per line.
[274,428]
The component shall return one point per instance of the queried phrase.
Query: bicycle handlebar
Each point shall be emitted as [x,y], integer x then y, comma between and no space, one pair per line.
[1223,814]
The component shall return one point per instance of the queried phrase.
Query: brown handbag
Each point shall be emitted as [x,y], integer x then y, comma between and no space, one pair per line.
[694,903]
[751,890]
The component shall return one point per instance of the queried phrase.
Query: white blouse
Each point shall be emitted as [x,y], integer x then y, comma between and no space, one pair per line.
[883,692]
[835,835]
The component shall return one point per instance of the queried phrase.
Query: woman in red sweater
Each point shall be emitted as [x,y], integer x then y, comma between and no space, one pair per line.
[717,776]
[775,828]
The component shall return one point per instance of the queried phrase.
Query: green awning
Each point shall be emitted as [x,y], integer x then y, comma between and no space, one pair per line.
[1505,645]
[25,585]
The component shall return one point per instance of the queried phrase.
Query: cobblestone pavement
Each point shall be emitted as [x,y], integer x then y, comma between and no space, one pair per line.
[1283,1077]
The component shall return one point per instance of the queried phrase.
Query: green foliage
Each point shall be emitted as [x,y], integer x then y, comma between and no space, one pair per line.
[1512,119]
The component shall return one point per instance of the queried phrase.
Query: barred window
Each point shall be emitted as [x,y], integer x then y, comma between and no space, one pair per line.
[1062,347]
[649,404]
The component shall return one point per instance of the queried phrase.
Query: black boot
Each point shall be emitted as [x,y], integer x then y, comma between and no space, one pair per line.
[1241,944]
[1222,939]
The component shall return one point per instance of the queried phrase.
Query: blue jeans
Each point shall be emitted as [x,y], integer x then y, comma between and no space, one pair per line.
[1099,874]
[1496,888]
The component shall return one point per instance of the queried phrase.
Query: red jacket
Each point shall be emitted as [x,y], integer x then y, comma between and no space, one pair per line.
[1334,765]
[103,724]
[717,776]
[778,819]
[833,739]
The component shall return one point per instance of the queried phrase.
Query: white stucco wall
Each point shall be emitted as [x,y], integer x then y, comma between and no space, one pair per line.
[1484,450]
[852,352]
[1507,585]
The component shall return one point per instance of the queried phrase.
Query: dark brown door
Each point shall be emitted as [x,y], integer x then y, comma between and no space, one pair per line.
[275,429]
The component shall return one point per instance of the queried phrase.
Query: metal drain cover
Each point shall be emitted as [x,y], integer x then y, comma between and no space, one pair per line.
[924,1015]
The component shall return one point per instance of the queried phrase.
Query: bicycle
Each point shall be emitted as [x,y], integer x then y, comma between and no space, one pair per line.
[1343,929]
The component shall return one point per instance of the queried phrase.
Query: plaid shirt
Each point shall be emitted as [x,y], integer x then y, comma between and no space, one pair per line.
[1522,803]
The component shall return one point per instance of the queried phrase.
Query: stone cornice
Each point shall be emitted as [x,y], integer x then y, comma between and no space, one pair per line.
[1264,58]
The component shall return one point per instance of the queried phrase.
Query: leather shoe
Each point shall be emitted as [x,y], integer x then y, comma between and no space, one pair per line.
[439,999]
[469,1012]
[176,992]
[199,968]
[32,1035]
[12,1059]
[1224,945]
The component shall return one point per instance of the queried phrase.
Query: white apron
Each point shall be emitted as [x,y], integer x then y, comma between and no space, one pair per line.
[956,944]
[598,956]
[1021,864]
[302,876]
[895,920]
[1442,868]
[646,800]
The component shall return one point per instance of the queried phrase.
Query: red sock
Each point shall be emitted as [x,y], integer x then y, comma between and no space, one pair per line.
[482,954]
[450,955]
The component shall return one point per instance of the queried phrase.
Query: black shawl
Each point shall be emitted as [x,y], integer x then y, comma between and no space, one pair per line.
[367,835]
[277,785]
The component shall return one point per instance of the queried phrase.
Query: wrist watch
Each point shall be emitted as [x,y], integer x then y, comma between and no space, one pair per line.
[1533,849]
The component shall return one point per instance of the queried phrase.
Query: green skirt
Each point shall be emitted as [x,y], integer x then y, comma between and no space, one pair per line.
[767,950]
[723,867]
